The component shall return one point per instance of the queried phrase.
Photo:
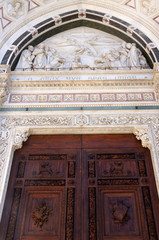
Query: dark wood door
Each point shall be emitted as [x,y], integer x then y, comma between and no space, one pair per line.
[89,187]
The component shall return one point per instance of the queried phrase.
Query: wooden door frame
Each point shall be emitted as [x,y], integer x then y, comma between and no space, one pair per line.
[15,131]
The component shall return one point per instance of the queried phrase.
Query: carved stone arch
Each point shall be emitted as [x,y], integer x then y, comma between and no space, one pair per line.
[75,18]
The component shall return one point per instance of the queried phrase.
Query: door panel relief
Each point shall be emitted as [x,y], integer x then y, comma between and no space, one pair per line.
[119,181]
[90,187]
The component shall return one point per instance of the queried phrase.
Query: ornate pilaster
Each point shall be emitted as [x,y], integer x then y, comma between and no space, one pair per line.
[9,143]
[4,138]
[4,82]
[156,78]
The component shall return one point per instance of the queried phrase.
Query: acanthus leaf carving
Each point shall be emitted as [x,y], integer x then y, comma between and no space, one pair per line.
[143,135]
[21,135]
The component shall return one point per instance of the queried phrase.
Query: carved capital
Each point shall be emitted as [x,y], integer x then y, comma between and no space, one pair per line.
[143,135]
[21,135]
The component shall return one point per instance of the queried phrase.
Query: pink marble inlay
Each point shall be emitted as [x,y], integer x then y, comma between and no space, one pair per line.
[82,97]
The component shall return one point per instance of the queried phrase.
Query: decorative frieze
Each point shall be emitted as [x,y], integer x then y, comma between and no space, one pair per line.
[98,97]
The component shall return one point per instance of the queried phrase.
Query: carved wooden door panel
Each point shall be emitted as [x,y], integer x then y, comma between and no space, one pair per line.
[89,187]
[122,200]
[45,191]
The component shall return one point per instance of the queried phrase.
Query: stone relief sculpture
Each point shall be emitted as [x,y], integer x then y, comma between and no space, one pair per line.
[40,54]
[88,51]
[26,59]
[133,55]
[148,6]
[14,8]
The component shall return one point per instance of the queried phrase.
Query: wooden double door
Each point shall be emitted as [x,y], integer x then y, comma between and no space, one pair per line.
[81,187]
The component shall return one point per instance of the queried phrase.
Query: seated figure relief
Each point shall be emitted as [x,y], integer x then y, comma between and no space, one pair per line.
[88,52]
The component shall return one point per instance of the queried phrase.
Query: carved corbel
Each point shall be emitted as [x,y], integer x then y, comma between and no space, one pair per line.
[5,81]
[21,135]
[143,135]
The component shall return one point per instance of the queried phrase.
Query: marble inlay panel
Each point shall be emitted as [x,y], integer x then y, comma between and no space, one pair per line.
[83,97]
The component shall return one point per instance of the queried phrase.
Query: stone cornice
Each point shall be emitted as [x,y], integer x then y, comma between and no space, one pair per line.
[83,79]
